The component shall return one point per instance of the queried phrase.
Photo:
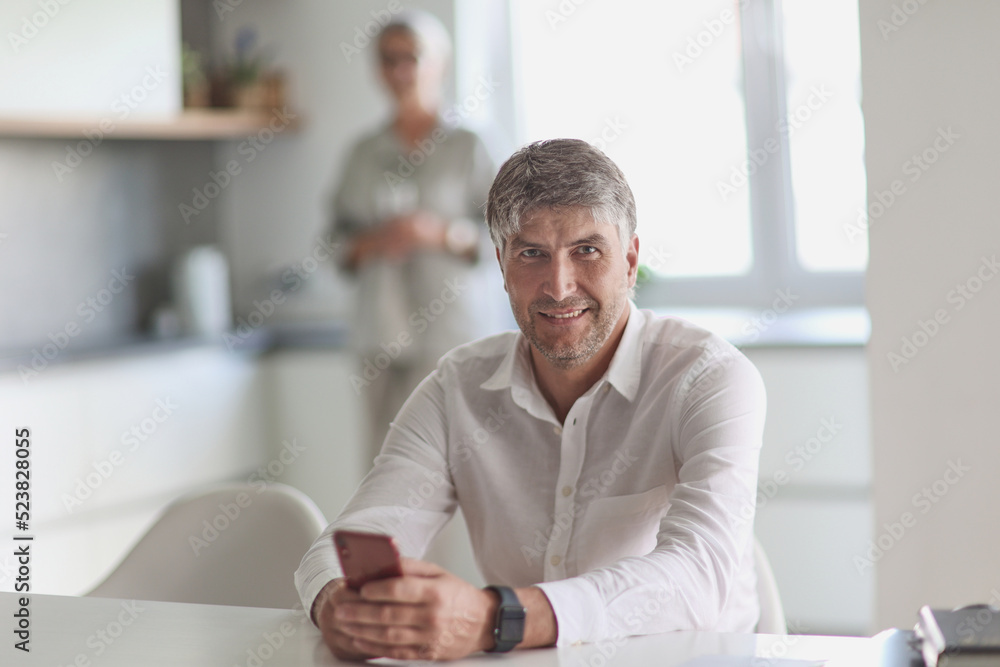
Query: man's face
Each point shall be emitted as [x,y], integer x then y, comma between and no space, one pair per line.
[568,282]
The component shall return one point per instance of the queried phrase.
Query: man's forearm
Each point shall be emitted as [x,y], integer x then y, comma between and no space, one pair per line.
[540,627]
[324,593]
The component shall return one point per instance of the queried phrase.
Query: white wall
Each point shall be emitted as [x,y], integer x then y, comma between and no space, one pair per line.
[937,71]
[106,59]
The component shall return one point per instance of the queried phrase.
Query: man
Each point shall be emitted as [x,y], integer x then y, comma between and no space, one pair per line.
[605,460]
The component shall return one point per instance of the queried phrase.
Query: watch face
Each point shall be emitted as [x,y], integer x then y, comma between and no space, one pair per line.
[511,625]
[512,630]
[509,629]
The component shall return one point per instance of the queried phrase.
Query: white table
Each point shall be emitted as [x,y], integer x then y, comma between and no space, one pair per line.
[111,633]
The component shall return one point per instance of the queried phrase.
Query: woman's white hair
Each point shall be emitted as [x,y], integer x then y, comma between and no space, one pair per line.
[431,35]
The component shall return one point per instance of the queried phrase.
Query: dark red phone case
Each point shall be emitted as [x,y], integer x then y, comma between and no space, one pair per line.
[365,557]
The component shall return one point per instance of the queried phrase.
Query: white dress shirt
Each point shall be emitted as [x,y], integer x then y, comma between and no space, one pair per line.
[635,516]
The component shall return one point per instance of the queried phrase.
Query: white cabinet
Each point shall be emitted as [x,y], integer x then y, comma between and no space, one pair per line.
[316,411]
[814,490]
[113,440]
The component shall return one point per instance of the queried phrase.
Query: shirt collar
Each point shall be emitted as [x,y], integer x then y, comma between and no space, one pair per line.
[624,371]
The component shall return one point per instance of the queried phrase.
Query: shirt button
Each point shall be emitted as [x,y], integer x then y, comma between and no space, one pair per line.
[567,490]
[555,560]
[558,430]
[607,388]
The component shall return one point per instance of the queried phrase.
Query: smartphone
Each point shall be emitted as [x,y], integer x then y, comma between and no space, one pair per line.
[365,557]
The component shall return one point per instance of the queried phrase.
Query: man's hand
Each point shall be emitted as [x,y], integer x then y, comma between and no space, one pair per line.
[334,593]
[427,614]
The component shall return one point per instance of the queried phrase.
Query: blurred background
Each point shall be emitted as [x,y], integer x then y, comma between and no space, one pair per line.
[810,182]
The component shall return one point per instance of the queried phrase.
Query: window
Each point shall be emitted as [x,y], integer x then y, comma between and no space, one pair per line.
[738,125]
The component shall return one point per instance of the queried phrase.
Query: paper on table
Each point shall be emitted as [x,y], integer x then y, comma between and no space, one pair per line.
[749,661]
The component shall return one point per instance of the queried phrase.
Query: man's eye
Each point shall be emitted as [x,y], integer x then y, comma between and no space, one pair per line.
[588,249]
[531,252]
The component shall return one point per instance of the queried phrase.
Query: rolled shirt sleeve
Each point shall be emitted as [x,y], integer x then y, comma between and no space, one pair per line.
[408,494]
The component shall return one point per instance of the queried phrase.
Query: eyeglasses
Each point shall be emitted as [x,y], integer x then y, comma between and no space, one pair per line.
[393,60]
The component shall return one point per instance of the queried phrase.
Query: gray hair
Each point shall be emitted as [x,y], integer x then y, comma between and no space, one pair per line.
[557,173]
[430,34]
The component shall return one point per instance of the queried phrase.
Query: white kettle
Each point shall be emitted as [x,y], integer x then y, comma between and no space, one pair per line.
[201,292]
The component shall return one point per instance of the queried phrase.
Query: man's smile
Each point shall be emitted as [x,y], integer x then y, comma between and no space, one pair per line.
[563,315]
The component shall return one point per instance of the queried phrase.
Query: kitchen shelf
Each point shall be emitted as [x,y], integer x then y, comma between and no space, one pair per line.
[191,124]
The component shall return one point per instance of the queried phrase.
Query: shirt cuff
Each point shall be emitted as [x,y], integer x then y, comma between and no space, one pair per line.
[578,608]
[310,579]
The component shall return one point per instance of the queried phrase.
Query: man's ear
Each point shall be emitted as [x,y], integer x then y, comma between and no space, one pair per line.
[500,262]
[632,258]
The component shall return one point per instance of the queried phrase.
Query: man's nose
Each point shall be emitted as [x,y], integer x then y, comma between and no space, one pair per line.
[561,281]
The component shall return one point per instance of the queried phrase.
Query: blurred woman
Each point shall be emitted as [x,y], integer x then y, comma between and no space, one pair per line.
[408,215]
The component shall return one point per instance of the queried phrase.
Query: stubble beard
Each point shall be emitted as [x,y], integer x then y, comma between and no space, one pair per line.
[568,356]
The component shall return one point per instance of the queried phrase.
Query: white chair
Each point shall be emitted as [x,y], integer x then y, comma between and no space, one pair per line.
[237,544]
[772,613]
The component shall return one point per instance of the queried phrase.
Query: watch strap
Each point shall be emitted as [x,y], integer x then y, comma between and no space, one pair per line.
[508,627]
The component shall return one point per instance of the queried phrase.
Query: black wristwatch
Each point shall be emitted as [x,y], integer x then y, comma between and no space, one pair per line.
[508,629]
